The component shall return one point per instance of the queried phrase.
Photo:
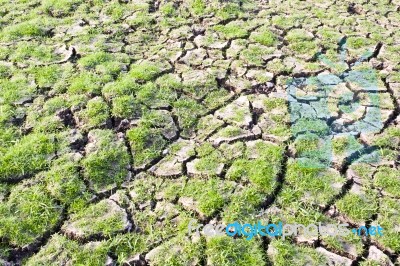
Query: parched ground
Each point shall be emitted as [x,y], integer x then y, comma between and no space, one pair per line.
[121,121]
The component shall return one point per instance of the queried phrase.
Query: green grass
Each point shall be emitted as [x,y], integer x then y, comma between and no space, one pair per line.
[388,219]
[244,203]
[264,37]
[59,249]
[28,213]
[358,208]
[106,163]
[213,200]
[146,144]
[63,182]
[100,218]
[32,28]
[27,156]
[312,185]
[126,107]
[15,89]
[286,253]
[144,71]
[388,179]
[232,30]
[96,114]
[60,8]
[226,251]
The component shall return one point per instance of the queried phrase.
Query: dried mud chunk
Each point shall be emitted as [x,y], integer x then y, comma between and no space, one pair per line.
[207,125]
[101,219]
[334,259]
[200,167]
[237,112]
[194,57]
[374,254]
[167,167]
[230,134]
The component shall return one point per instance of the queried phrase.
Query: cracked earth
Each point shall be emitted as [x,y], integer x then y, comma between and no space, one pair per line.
[122,121]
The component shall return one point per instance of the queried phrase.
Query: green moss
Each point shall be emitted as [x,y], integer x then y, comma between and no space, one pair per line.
[390,138]
[106,165]
[179,251]
[358,42]
[210,161]
[238,170]
[188,111]
[5,71]
[8,136]
[141,19]
[127,245]
[311,185]
[27,156]
[298,35]
[125,85]
[154,96]
[92,60]
[316,126]
[230,132]
[254,53]
[198,7]
[168,9]
[229,10]
[33,52]
[28,214]
[388,219]
[304,47]
[306,143]
[105,63]
[341,243]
